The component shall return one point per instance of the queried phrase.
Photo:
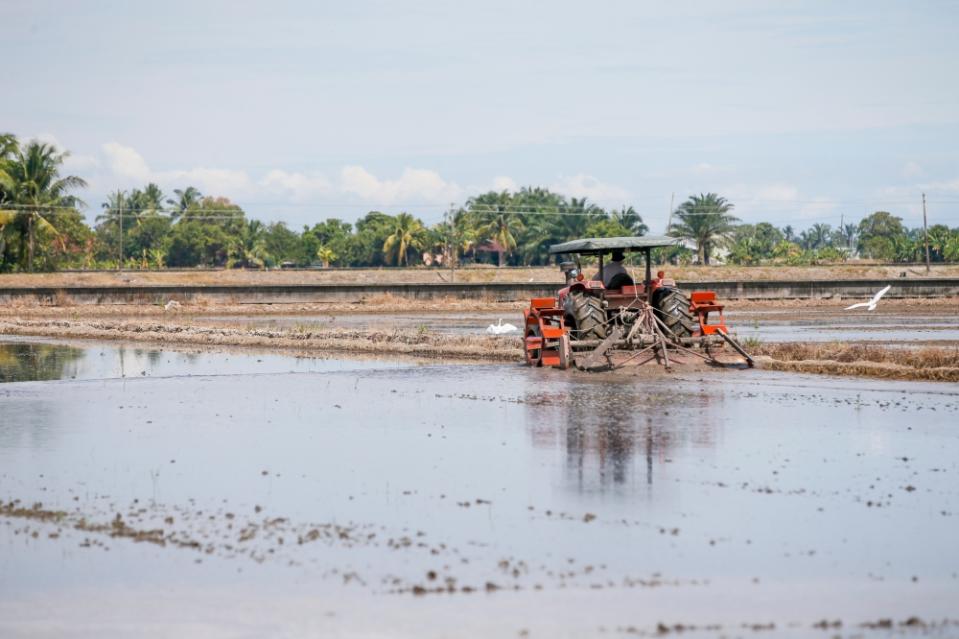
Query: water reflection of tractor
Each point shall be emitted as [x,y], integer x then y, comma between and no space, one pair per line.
[611,319]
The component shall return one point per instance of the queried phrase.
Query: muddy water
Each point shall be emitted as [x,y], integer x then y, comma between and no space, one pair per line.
[341,499]
[816,324]
[828,324]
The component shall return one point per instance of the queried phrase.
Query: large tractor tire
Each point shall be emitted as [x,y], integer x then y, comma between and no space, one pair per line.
[588,314]
[673,307]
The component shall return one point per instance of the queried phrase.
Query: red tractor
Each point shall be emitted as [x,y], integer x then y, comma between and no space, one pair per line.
[591,320]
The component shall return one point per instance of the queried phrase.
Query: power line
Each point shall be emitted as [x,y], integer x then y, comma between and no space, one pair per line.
[234,214]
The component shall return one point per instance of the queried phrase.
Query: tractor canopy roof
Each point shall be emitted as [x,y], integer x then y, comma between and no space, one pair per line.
[598,245]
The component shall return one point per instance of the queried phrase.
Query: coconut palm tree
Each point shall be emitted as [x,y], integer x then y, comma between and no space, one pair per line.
[704,219]
[629,219]
[149,200]
[495,218]
[326,255]
[35,189]
[250,249]
[408,234]
[185,198]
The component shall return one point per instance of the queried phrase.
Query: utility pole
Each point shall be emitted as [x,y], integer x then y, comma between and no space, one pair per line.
[842,231]
[669,221]
[925,230]
[450,241]
[120,231]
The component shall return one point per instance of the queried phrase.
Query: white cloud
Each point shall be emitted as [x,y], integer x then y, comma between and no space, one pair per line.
[777,193]
[131,168]
[78,163]
[299,187]
[780,203]
[587,186]
[705,168]
[504,183]
[233,184]
[121,166]
[948,186]
[125,162]
[413,186]
[912,169]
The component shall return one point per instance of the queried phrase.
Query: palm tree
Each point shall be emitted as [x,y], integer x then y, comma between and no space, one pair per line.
[704,219]
[33,185]
[495,218]
[817,236]
[8,143]
[149,200]
[629,219]
[848,233]
[501,228]
[185,198]
[326,255]
[408,233]
[250,248]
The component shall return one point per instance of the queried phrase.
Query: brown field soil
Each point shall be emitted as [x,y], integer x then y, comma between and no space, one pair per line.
[322,341]
[924,363]
[862,360]
[385,304]
[475,274]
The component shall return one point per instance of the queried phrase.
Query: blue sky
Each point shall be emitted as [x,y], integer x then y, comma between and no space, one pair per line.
[798,112]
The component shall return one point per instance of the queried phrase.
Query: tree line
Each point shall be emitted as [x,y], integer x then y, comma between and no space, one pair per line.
[42,228]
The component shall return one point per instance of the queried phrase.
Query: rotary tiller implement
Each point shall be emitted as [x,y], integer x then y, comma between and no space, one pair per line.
[595,326]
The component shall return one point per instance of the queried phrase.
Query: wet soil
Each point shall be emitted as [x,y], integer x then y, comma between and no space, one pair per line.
[249,499]
[478,273]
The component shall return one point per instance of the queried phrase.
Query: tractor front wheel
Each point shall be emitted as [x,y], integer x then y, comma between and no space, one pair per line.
[588,315]
[673,307]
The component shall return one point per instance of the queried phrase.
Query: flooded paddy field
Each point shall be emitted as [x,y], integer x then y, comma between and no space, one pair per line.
[240,493]
[896,325]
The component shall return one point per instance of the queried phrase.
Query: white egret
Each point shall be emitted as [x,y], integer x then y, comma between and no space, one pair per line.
[500,328]
[871,304]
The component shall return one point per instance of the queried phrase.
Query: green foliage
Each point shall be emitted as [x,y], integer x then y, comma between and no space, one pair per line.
[333,234]
[207,239]
[879,235]
[281,244]
[704,219]
[41,228]
[753,244]
[33,195]
[408,235]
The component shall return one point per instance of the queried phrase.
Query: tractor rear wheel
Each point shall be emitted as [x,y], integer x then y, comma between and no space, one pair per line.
[673,307]
[588,314]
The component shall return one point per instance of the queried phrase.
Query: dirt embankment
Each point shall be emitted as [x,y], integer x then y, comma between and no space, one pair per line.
[386,304]
[375,305]
[939,364]
[385,343]
[477,274]
[929,364]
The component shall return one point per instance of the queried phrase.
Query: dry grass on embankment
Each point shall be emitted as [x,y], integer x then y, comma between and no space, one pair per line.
[383,304]
[939,364]
[321,341]
[474,274]
[853,360]
[386,304]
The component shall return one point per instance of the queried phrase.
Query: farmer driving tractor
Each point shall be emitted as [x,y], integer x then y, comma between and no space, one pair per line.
[615,267]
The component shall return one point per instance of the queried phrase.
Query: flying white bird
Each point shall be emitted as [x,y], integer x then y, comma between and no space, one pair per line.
[500,328]
[871,304]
